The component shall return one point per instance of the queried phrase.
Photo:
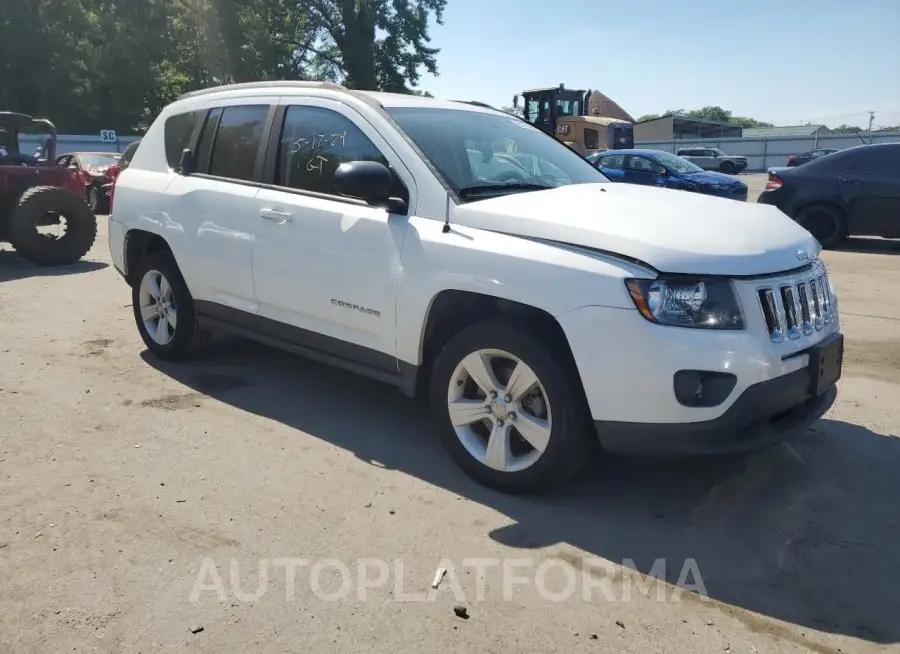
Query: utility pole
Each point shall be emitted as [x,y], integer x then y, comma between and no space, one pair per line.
[871,120]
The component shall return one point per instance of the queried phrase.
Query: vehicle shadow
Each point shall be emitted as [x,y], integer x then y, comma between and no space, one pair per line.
[862,245]
[806,533]
[13,266]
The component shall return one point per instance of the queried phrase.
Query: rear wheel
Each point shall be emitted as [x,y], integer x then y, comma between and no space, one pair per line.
[825,222]
[164,310]
[52,226]
[510,411]
[93,199]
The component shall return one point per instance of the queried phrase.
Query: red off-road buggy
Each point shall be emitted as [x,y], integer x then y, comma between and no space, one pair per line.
[43,212]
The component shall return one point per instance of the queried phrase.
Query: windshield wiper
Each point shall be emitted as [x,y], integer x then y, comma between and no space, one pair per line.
[486,189]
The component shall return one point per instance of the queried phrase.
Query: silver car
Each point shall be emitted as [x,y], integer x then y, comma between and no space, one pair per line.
[714,159]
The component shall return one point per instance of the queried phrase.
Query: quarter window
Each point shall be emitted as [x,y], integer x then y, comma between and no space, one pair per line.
[237,142]
[178,130]
[314,142]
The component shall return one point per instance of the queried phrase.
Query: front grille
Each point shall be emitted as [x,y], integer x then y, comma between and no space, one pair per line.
[740,191]
[799,307]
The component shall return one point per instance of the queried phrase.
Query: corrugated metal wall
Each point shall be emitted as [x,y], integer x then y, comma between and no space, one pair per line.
[765,153]
[28,143]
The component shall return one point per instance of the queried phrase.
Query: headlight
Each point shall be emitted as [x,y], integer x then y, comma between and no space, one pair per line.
[683,302]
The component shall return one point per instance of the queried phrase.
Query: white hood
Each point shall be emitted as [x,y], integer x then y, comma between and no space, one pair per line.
[673,231]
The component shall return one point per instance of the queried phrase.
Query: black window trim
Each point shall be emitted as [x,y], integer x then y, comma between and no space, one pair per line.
[268,178]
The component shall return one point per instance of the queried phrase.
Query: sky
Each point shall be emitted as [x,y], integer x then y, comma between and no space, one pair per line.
[788,63]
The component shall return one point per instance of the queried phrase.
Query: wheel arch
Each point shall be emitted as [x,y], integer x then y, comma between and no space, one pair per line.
[827,202]
[140,243]
[451,310]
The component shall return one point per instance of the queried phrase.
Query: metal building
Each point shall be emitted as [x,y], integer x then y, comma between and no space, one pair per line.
[675,126]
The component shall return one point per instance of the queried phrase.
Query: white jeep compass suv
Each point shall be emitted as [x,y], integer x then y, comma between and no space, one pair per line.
[459,253]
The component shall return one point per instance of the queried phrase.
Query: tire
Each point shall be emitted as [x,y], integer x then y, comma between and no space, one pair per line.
[186,337]
[29,213]
[825,222]
[728,168]
[567,439]
[93,199]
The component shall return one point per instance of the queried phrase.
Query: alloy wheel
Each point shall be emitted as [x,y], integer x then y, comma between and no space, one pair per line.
[499,410]
[157,306]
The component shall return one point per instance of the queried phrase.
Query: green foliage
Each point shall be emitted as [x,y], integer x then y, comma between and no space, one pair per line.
[113,64]
[847,129]
[714,114]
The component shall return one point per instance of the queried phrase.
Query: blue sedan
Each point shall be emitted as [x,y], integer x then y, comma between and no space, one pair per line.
[658,168]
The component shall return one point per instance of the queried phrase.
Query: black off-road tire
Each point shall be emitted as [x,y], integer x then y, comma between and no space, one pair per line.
[571,428]
[824,221]
[25,217]
[189,336]
[728,168]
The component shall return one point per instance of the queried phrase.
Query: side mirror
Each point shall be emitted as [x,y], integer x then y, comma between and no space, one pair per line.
[663,172]
[515,102]
[369,181]
[186,162]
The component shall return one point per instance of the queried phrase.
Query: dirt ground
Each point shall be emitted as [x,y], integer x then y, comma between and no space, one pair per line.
[141,501]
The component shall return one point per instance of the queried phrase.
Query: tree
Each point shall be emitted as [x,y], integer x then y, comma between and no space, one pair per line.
[713,114]
[749,122]
[373,44]
[119,62]
[846,129]
[515,111]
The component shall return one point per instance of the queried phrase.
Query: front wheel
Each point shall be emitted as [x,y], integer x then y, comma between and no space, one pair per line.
[164,310]
[510,409]
[728,168]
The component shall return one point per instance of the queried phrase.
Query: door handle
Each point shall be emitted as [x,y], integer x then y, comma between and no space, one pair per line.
[274,214]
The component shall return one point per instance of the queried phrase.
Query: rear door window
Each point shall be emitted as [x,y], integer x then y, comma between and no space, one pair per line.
[877,161]
[237,141]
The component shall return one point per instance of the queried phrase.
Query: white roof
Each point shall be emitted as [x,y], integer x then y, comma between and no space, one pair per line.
[326,89]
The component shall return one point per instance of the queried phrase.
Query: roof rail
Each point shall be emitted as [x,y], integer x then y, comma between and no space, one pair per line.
[265,85]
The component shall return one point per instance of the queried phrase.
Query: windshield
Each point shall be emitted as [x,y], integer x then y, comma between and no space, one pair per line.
[677,164]
[483,154]
[97,159]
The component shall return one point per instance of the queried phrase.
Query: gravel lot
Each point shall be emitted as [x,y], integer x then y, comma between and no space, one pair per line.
[120,476]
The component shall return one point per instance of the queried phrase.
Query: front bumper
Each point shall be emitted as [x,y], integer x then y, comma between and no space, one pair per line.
[765,414]
[627,366]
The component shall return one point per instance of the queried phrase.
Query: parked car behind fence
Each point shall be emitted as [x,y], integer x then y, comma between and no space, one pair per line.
[714,159]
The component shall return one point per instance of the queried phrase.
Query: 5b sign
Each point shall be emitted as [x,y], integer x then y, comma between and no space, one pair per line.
[108,136]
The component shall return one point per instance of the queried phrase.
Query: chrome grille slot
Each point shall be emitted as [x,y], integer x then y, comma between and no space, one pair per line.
[792,311]
[794,308]
[774,323]
[805,307]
